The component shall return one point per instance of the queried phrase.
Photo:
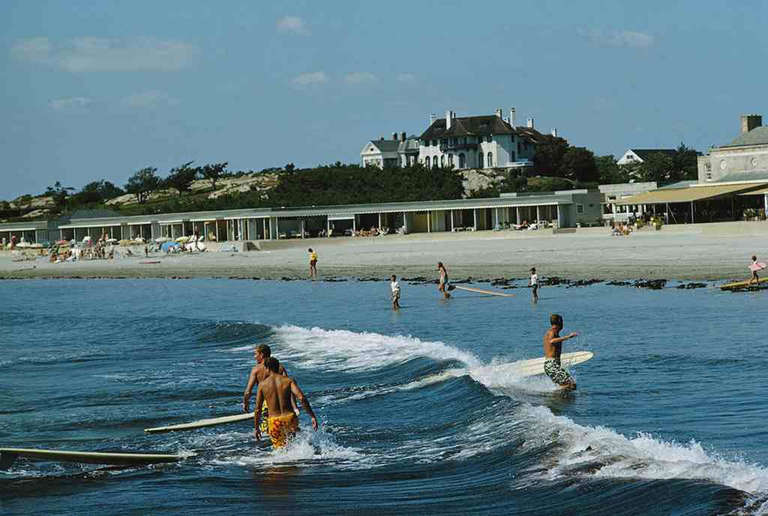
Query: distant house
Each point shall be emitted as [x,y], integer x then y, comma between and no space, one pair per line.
[400,151]
[486,141]
[640,155]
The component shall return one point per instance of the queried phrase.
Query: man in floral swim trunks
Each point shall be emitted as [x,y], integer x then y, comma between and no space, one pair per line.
[276,391]
[553,344]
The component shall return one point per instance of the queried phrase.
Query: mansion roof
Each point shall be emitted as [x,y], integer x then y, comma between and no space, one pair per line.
[485,125]
[644,154]
[757,136]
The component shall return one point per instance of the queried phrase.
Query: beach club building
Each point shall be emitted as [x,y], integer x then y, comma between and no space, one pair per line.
[567,208]
[732,183]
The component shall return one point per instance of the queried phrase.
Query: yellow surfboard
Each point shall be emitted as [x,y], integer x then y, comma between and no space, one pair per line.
[742,285]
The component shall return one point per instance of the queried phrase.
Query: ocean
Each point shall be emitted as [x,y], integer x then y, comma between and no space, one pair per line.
[417,414]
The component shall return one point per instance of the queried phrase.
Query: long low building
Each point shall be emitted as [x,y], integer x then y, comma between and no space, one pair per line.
[567,208]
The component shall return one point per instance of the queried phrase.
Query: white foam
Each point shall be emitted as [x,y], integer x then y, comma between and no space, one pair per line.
[643,456]
[342,350]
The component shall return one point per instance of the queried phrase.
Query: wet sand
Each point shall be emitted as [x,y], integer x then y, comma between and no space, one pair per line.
[695,252]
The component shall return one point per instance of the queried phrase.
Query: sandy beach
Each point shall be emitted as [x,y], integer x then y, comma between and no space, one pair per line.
[684,252]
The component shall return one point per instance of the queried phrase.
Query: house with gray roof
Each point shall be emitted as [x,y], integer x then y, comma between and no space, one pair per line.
[400,151]
[480,142]
[744,159]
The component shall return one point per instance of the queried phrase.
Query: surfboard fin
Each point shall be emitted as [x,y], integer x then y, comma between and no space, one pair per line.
[7,459]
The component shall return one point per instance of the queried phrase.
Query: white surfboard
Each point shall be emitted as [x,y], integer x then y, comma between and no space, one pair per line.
[482,291]
[200,423]
[9,455]
[535,366]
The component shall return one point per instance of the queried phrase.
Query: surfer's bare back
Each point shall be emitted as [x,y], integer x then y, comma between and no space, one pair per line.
[553,346]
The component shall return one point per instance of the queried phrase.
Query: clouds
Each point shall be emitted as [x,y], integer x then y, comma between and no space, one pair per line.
[310,78]
[292,24]
[89,54]
[360,78]
[149,99]
[618,39]
[70,103]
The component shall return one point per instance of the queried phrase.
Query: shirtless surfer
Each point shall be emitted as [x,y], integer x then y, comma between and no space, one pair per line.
[553,344]
[443,284]
[276,391]
[258,374]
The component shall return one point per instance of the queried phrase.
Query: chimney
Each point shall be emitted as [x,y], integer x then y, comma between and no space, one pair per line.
[394,136]
[554,132]
[512,117]
[529,122]
[749,122]
[498,112]
[448,118]
[432,118]
[402,136]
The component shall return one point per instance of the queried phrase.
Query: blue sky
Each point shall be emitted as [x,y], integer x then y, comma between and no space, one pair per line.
[96,90]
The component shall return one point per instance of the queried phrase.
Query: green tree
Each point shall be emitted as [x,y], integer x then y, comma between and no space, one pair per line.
[97,192]
[549,155]
[213,172]
[143,183]
[549,184]
[609,172]
[59,194]
[182,177]
[684,163]
[578,164]
[658,167]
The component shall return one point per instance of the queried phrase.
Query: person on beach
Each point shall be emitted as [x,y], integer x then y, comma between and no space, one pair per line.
[395,286]
[533,282]
[312,264]
[754,268]
[443,286]
[553,344]
[277,391]
[258,374]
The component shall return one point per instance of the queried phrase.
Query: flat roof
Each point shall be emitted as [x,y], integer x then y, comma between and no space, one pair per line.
[689,194]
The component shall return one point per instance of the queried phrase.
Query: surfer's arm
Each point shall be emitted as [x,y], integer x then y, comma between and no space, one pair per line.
[558,340]
[296,391]
[257,414]
[249,389]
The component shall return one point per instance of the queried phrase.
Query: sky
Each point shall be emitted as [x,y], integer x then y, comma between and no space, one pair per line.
[98,90]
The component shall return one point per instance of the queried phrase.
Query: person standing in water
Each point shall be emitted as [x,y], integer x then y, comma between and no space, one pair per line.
[276,392]
[534,284]
[312,264]
[754,268]
[443,284]
[395,286]
[258,374]
[553,344]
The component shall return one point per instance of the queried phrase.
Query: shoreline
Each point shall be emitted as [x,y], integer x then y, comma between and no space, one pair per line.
[707,252]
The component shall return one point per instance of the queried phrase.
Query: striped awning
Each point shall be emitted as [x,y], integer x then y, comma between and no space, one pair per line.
[689,194]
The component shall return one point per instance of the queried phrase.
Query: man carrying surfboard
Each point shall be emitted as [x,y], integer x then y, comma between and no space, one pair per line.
[754,267]
[553,347]
[276,391]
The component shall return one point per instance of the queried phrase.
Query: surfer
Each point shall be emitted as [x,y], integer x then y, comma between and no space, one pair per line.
[277,391]
[534,284]
[258,374]
[312,263]
[754,268]
[395,286]
[443,284]
[553,344]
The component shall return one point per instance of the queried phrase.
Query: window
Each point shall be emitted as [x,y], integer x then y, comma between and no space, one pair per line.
[489,138]
[427,161]
[450,160]
[442,161]
[579,208]
[489,160]
[462,161]
[512,156]
[455,141]
[434,143]
[480,160]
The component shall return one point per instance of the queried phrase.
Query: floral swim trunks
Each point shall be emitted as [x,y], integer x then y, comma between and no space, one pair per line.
[555,371]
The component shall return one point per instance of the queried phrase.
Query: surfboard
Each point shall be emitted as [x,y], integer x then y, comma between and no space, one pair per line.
[9,455]
[535,366]
[482,291]
[742,284]
[200,423]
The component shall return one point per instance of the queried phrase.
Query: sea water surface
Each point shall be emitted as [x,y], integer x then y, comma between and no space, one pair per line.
[417,413]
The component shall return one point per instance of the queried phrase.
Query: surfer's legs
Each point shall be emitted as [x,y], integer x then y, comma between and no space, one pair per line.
[535,293]
[557,374]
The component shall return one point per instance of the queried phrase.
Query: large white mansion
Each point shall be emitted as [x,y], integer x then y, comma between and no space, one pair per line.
[478,142]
